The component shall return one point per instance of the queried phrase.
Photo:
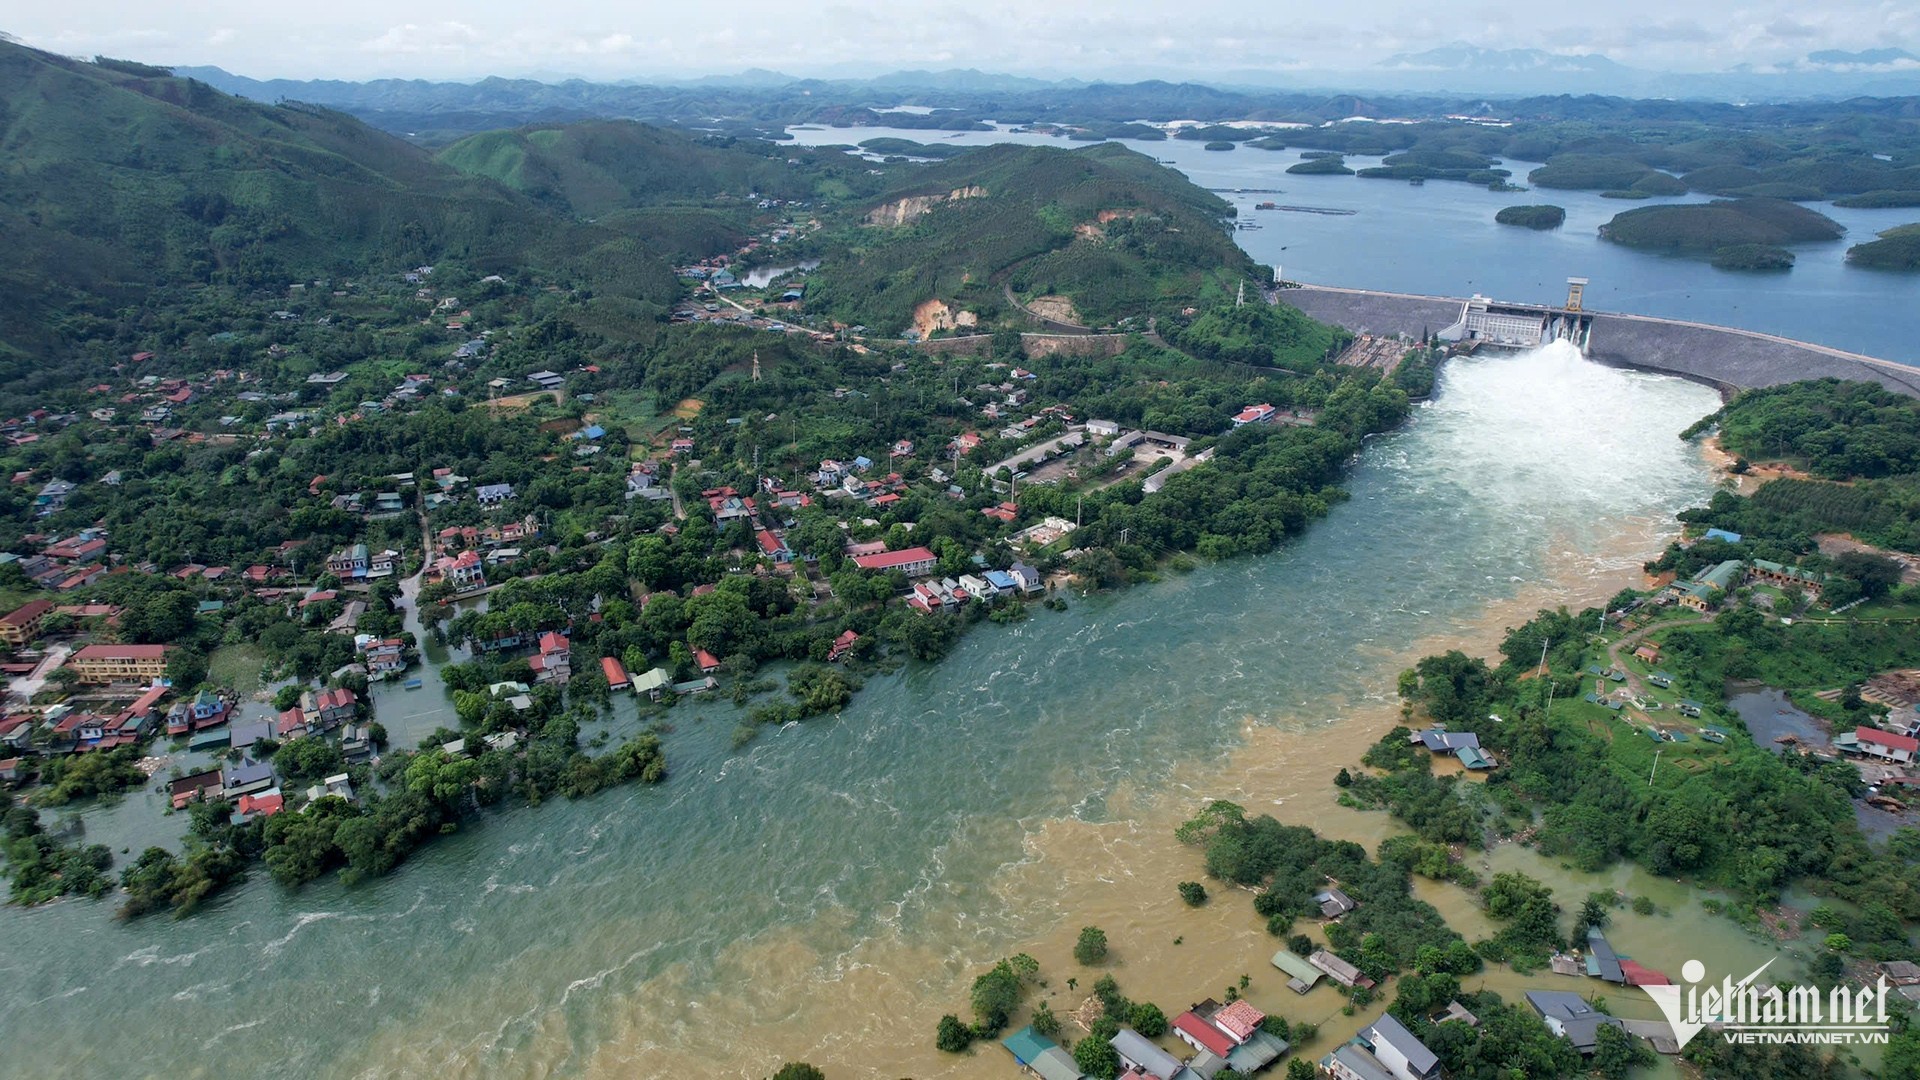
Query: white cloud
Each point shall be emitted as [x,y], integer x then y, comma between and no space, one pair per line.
[412,38]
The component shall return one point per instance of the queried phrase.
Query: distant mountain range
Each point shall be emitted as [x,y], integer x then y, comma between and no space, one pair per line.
[1437,78]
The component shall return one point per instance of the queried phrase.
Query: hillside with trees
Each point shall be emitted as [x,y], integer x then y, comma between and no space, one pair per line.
[122,178]
[1724,223]
[596,167]
[1897,249]
[1104,227]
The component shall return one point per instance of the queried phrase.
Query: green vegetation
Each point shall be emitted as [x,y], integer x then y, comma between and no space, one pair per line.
[1897,249]
[1107,228]
[1509,1041]
[238,196]
[1193,893]
[1736,815]
[1836,430]
[1389,930]
[1533,217]
[42,867]
[1221,145]
[1262,335]
[1707,227]
[594,167]
[996,995]
[1752,257]
[1880,200]
[1091,947]
[1601,172]
[1326,165]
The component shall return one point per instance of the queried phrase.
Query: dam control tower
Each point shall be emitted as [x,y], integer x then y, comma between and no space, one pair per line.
[1576,288]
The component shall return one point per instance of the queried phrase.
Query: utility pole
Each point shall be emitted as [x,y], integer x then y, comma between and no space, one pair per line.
[1656,768]
[1544,642]
[1240,298]
[1078,502]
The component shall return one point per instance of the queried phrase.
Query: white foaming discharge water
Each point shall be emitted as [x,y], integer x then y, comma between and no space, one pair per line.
[1549,434]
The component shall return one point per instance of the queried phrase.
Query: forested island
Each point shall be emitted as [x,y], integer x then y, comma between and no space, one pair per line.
[1532,217]
[1723,223]
[1897,249]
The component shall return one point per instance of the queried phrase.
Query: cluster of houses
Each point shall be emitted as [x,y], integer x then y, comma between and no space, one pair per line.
[26,430]
[1708,588]
[1221,1036]
[1463,745]
[62,564]
[986,586]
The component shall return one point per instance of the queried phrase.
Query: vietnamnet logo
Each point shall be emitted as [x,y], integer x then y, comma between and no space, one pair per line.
[1746,1013]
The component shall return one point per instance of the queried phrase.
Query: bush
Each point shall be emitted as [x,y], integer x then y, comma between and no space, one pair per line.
[1148,1020]
[1193,893]
[1092,946]
[952,1036]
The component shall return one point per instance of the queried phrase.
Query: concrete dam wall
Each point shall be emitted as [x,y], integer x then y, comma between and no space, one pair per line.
[1719,356]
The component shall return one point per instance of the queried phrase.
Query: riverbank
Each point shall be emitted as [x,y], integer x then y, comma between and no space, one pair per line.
[833,888]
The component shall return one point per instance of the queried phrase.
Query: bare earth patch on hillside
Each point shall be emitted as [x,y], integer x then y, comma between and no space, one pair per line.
[1054,308]
[935,315]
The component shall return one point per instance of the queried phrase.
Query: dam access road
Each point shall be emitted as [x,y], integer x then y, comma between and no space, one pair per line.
[1720,356]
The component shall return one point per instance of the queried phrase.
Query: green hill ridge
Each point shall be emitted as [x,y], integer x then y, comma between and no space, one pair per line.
[122,178]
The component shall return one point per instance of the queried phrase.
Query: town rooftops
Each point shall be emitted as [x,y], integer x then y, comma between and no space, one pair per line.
[1341,971]
[1026,1045]
[1333,902]
[1356,1062]
[1238,1019]
[1302,974]
[1202,1034]
[26,613]
[1441,741]
[1887,739]
[1391,1032]
[1570,1016]
[890,560]
[1602,961]
[1134,1047]
[122,652]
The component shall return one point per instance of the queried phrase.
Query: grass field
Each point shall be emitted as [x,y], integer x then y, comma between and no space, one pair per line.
[238,666]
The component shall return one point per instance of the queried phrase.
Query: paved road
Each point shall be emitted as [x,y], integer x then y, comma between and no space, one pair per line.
[29,685]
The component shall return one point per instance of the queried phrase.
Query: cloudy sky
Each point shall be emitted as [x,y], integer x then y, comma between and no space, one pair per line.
[356,39]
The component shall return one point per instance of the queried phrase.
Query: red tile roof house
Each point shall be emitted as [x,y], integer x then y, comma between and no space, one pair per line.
[1197,1033]
[707,662]
[1886,745]
[554,663]
[335,707]
[616,673]
[842,645]
[913,561]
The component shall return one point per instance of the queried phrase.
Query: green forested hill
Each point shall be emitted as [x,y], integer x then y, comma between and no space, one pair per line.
[1707,227]
[598,166]
[116,177]
[1105,227]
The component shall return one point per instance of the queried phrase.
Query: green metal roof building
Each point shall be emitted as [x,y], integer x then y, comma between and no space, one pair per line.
[1302,974]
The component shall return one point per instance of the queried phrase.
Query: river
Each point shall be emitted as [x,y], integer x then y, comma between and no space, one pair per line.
[1440,239]
[829,891]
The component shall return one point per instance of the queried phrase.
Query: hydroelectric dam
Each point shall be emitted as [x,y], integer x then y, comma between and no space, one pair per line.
[1720,356]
